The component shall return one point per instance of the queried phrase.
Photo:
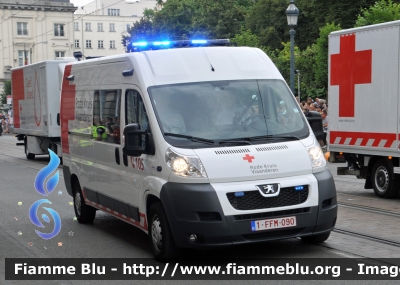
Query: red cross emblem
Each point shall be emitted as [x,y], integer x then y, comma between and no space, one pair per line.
[348,68]
[248,157]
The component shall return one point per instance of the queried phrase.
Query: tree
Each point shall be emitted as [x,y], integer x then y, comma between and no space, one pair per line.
[382,11]
[245,38]
[141,30]
[6,91]
[222,19]
[175,20]
[267,20]
[321,56]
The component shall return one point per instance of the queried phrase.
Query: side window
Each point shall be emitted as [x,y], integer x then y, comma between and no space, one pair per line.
[106,116]
[135,110]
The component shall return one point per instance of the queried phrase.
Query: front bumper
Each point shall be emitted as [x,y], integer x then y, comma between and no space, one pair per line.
[196,209]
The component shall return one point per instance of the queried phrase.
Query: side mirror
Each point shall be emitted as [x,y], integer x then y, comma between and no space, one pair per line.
[134,144]
[315,121]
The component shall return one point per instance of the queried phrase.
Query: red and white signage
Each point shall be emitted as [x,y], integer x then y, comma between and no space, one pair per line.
[363,87]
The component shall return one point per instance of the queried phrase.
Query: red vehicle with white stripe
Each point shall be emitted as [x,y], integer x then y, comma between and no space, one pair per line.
[364,122]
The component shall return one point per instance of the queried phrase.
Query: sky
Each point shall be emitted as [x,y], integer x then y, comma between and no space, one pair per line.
[80,2]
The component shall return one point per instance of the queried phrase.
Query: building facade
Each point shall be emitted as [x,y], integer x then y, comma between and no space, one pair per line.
[32,31]
[100,25]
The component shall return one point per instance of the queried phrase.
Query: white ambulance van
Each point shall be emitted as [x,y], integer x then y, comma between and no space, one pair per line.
[199,147]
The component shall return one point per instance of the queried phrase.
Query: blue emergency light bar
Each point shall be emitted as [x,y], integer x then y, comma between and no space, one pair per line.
[299,188]
[166,43]
[140,44]
[143,45]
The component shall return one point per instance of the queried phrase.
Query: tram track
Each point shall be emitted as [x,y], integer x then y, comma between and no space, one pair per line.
[365,235]
[368,237]
[369,209]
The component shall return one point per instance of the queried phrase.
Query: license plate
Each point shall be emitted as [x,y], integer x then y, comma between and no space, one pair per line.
[273,224]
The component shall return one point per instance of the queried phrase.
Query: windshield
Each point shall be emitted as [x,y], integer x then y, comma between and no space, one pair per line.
[225,111]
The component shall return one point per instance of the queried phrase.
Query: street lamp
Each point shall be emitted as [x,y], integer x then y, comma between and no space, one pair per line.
[292,14]
[30,49]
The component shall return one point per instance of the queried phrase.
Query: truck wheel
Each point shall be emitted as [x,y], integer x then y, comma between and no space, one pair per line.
[85,214]
[161,240]
[27,153]
[316,238]
[383,182]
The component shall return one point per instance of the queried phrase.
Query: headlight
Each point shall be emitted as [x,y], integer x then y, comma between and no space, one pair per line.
[316,155]
[186,166]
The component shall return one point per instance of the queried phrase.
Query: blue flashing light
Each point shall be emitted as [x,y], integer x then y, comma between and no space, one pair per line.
[140,44]
[239,194]
[164,43]
[199,41]
[299,188]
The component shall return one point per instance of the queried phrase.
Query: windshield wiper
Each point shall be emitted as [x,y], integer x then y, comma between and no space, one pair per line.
[240,140]
[193,139]
[274,137]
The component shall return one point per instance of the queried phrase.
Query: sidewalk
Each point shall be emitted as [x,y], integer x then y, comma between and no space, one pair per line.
[7,134]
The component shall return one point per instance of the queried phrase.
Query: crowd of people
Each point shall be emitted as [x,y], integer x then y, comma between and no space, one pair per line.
[6,124]
[319,105]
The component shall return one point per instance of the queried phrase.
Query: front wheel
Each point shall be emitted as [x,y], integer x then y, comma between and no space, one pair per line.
[316,238]
[161,240]
[85,214]
[383,182]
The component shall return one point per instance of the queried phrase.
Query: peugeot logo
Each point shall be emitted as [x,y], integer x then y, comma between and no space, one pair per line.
[269,190]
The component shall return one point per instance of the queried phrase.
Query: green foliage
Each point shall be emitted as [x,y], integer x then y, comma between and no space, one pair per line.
[267,20]
[314,14]
[382,11]
[6,91]
[245,38]
[321,56]
[223,19]
[176,20]
[263,24]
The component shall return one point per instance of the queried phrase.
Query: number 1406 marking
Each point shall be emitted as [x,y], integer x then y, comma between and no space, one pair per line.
[137,163]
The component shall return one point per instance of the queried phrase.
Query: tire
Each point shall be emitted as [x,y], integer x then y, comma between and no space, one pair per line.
[160,236]
[383,182]
[28,154]
[85,214]
[314,239]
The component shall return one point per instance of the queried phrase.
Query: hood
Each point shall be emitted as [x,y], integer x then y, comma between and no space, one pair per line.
[254,162]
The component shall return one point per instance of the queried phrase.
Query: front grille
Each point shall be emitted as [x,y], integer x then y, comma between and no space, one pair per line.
[253,200]
[273,234]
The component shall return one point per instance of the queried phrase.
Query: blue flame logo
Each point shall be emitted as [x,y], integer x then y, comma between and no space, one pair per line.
[45,172]
[46,191]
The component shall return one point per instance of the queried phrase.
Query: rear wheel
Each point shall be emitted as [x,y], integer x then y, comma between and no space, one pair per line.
[27,153]
[160,235]
[383,182]
[85,214]
[316,238]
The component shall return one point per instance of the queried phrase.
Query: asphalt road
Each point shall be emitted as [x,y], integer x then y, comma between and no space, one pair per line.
[109,237]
